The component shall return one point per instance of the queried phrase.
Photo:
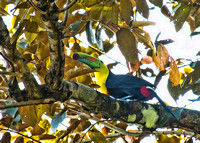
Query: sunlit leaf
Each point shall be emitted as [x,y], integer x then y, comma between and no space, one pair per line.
[97,136]
[127,45]
[89,33]
[46,125]
[89,3]
[30,36]
[142,8]
[107,12]
[174,73]
[181,14]
[143,37]
[126,11]
[37,130]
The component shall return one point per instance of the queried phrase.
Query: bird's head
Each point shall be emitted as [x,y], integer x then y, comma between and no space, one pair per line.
[92,62]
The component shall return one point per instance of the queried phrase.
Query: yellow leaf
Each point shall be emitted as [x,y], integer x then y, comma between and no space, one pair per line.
[97,136]
[162,57]
[174,73]
[30,36]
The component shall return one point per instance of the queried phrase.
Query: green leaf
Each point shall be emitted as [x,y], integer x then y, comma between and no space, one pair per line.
[175,91]
[98,36]
[127,45]
[75,25]
[89,33]
[30,36]
[181,15]
[142,8]
[158,3]
[126,11]
[97,136]
[57,120]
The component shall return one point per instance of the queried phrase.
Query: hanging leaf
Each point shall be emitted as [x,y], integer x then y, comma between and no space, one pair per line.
[181,14]
[126,11]
[159,77]
[19,139]
[98,37]
[165,11]
[158,3]
[162,57]
[142,8]
[57,120]
[127,45]
[97,136]
[143,37]
[174,73]
[89,33]
[74,26]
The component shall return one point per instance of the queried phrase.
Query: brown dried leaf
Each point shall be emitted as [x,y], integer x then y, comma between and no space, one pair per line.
[165,11]
[174,73]
[162,58]
[37,130]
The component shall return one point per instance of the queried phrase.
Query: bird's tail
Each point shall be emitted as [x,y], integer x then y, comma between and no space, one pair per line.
[163,104]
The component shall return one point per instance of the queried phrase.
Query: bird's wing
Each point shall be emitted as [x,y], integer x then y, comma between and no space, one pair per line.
[126,81]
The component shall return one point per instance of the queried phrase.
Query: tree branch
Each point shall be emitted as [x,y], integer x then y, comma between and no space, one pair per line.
[19,63]
[68,6]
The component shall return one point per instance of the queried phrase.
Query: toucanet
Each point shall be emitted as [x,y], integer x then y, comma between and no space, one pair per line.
[120,86]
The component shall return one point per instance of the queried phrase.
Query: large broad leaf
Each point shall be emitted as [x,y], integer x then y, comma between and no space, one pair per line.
[89,33]
[158,3]
[97,136]
[126,11]
[107,12]
[128,45]
[181,15]
[98,37]
[175,91]
[142,8]
[142,23]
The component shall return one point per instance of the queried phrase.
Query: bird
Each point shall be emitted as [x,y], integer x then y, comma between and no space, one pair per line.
[122,87]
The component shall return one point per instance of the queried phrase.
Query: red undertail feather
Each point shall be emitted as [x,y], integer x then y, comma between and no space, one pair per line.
[146,93]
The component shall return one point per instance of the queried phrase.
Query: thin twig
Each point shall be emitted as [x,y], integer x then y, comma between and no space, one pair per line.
[68,6]
[28,103]
[66,15]
[20,134]
[35,7]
